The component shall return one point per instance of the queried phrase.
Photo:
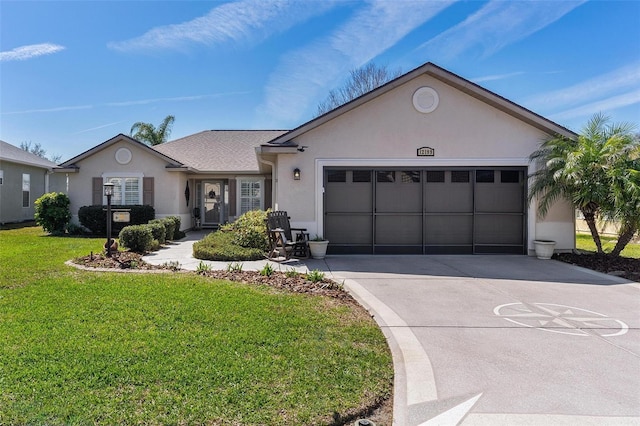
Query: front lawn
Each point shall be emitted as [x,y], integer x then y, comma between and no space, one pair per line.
[585,242]
[82,347]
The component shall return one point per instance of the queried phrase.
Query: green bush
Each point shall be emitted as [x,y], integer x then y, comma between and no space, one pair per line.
[249,230]
[220,246]
[169,226]
[52,212]
[137,238]
[177,234]
[94,218]
[158,231]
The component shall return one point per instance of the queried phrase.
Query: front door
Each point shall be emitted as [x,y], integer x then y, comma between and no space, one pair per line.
[213,212]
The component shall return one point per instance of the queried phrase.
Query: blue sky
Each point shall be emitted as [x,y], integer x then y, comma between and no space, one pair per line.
[76,73]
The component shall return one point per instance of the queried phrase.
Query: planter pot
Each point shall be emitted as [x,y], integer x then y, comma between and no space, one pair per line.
[544,248]
[318,249]
[114,246]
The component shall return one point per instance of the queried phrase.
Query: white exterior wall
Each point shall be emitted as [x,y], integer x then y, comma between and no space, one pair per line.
[168,186]
[388,130]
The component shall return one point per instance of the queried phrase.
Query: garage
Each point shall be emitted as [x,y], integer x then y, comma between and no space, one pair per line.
[463,210]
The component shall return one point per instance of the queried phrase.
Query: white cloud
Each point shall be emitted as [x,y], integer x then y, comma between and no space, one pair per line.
[98,127]
[247,21]
[31,51]
[303,74]
[603,105]
[54,109]
[496,77]
[174,99]
[606,85]
[498,24]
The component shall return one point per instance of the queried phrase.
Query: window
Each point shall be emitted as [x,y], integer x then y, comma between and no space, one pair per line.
[127,189]
[26,190]
[484,176]
[337,176]
[510,176]
[250,194]
[435,176]
[361,176]
[460,176]
[385,176]
[410,177]
[1,177]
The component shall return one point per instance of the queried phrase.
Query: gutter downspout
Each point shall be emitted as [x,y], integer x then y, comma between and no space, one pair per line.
[274,182]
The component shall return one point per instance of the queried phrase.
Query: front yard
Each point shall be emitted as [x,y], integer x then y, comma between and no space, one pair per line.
[82,347]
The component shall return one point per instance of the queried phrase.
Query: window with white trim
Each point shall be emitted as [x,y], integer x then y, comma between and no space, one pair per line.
[250,194]
[26,190]
[127,188]
[1,177]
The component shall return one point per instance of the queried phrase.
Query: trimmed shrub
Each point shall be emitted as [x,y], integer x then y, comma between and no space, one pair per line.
[220,246]
[52,212]
[249,230]
[158,231]
[176,231]
[137,238]
[169,226]
[94,218]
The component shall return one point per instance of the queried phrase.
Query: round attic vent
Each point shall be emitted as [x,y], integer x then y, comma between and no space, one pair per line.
[123,156]
[425,100]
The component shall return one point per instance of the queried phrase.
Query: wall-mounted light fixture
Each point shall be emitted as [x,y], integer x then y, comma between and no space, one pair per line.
[296,174]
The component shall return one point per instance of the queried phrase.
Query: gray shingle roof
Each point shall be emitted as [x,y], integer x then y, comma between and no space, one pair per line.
[15,154]
[219,150]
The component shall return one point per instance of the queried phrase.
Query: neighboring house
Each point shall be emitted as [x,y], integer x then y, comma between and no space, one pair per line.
[428,163]
[24,177]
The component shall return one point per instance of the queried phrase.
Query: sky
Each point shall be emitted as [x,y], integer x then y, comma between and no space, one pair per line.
[74,74]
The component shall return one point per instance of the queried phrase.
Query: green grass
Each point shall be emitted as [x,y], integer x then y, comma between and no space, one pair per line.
[83,347]
[585,242]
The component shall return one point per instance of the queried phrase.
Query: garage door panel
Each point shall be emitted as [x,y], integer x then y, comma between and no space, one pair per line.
[398,192]
[498,229]
[349,229]
[399,230]
[348,197]
[448,230]
[448,197]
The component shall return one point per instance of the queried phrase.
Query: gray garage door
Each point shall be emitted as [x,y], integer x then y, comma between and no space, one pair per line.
[445,211]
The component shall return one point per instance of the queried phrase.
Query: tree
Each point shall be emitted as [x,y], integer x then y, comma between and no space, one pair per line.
[147,132]
[361,81]
[39,151]
[597,173]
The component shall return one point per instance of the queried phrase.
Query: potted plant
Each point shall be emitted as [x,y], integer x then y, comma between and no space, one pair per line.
[318,247]
[544,248]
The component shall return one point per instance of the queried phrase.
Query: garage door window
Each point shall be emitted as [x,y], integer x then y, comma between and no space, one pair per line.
[436,176]
[385,177]
[337,176]
[484,176]
[410,177]
[361,176]
[460,176]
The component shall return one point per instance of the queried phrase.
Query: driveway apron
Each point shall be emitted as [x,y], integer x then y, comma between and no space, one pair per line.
[485,340]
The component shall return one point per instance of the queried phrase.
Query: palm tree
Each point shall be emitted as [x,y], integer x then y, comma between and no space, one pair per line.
[589,172]
[146,132]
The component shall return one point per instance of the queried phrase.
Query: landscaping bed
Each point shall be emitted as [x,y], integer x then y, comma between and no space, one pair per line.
[624,267]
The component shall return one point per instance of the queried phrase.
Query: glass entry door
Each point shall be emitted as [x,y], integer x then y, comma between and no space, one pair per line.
[213,213]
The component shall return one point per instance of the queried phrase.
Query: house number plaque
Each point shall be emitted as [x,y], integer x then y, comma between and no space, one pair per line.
[425,151]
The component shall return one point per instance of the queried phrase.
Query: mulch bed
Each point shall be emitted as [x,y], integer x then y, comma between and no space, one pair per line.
[279,280]
[624,267]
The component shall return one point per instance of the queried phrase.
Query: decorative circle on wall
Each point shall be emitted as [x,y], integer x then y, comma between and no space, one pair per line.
[123,156]
[425,100]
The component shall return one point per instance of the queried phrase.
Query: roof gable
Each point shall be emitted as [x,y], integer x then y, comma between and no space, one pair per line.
[447,77]
[18,155]
[119,138]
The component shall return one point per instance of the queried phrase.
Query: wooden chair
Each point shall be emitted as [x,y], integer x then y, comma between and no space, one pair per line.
[285,241]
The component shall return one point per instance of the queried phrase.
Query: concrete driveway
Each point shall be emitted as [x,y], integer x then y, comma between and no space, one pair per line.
[502,339]
[492,340]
